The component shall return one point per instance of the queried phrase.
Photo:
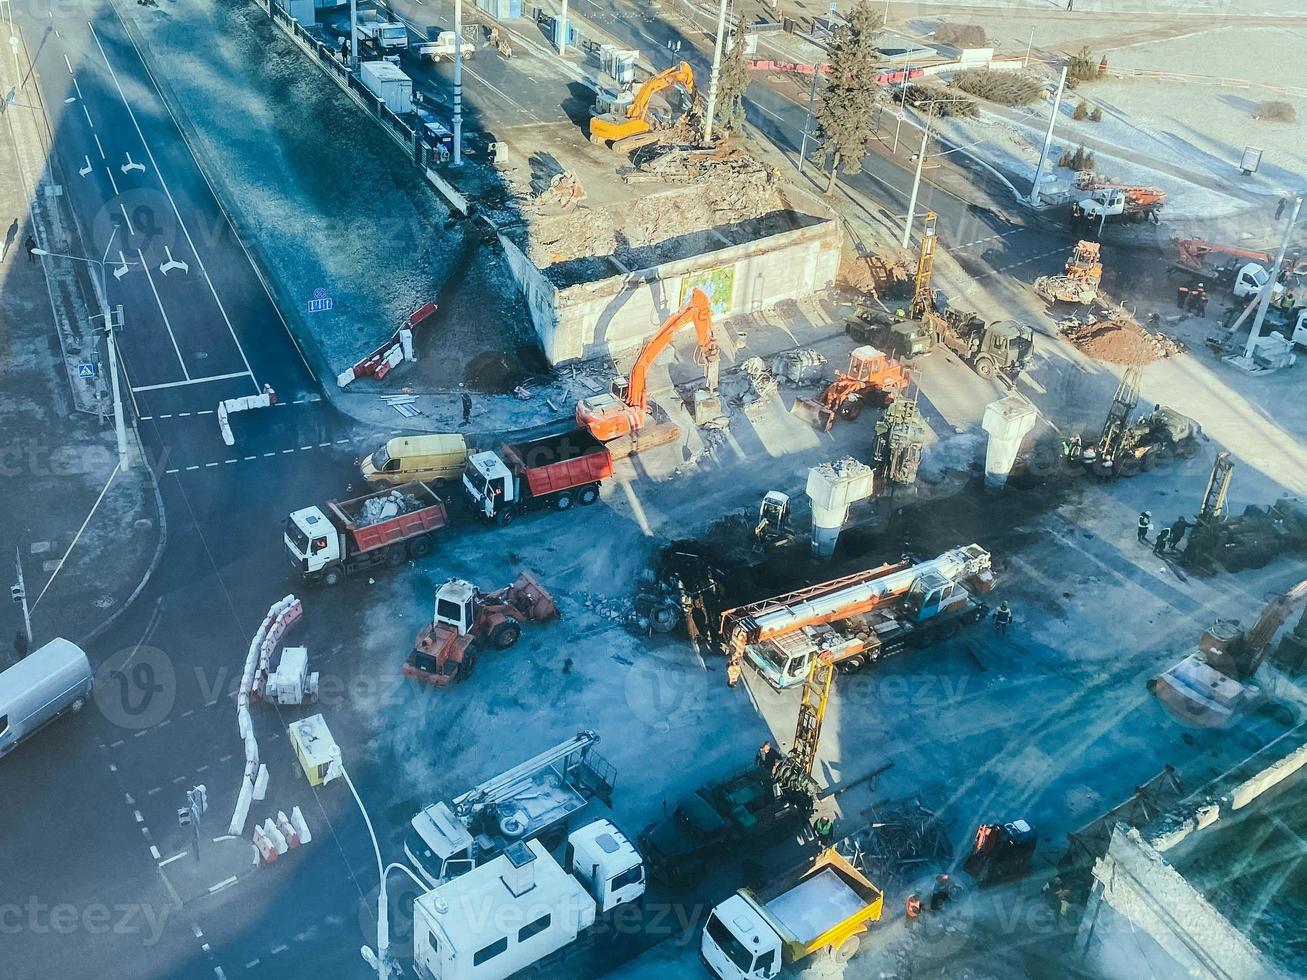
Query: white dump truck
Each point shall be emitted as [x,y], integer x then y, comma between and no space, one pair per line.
[523,906]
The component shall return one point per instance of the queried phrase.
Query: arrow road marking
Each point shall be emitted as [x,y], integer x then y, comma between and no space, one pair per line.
[120,269]
[87,169]
[131,165]
[173,263]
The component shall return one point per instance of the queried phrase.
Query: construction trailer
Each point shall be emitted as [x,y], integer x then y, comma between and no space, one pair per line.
[466,620]
[524,907]
[859,619]
[535,799]
[820,907]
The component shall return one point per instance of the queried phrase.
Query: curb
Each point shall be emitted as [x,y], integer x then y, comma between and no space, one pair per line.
[154,562]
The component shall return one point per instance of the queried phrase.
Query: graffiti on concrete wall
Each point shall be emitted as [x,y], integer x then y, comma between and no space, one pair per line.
[718,283]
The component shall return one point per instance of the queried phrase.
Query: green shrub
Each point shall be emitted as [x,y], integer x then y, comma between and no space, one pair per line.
[999,87]
[1081,159]
[1081,67]
[948,101]
[1097,114]
[1081,112]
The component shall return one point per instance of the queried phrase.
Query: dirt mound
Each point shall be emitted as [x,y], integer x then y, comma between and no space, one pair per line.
[1117,338]
[498,372]
[871,274]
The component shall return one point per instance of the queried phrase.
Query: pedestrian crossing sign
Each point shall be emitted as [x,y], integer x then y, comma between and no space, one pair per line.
[86,370]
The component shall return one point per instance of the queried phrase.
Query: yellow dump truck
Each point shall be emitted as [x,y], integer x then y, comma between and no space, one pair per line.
[822,907]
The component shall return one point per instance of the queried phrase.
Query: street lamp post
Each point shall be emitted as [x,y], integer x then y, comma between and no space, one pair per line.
[1273,276]
[807,119]
[120,426]
[716,72]
[458,84]
[916,180]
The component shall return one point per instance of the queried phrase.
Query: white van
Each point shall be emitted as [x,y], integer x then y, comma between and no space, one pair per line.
[40,687]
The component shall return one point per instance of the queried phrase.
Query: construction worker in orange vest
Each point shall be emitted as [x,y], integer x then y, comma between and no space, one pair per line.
[912,908]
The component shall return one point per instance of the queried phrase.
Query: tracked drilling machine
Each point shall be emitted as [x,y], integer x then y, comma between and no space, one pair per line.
[900,435]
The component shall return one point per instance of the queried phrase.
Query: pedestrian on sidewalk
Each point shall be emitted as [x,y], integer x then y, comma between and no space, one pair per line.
[1145,525]
[30,245]
[467,407]
[1279,208]
[1163,540]
[1070,5]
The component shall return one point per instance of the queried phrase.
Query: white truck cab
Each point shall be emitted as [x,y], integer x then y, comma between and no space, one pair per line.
[489,483]
[1105,201]
[456,605]
[1250,279]
[312,540]
[738,944]
[606,863]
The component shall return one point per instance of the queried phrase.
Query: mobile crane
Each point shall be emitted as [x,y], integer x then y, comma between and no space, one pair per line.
[629,130]
[618,418]
[858,619]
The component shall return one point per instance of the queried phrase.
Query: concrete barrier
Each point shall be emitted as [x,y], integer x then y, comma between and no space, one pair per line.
[230,406]
[392,353]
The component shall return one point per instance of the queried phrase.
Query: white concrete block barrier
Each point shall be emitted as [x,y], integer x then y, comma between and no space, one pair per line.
[392,353]
[229,406]
[281,616]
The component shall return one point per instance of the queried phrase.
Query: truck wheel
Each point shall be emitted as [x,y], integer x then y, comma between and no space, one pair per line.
[851,409]
[332,576]
[985,368]
[1187,449]
[851,666]
[505,634]
[663,619]
[563,501]
[468,665]
[505,517]
[846,950]
[1129,466]
[1158,457]
[588,495]
[419,547]
[396,555]
[77,705]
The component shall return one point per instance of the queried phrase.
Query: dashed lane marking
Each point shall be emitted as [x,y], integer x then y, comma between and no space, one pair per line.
[222,884]
[255,456]
[210,411]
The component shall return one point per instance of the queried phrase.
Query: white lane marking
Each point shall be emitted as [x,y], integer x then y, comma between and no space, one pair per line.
[78,88]
[175,857]
[88,116]
[195,381]
[164,313]
[69,64]
[182,224]
[222,884]
[98,146]
[112,182]
[126,217]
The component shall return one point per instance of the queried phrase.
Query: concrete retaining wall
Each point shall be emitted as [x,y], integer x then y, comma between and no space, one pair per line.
[595,318]
[1134,881]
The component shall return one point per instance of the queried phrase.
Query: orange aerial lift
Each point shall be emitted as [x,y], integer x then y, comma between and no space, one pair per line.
[636,127]
[618,418]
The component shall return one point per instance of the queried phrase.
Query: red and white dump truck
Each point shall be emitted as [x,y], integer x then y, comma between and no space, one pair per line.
[388,528]
[557,471]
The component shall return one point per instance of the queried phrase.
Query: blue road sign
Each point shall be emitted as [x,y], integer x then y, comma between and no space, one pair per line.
[320,301]
[86,369]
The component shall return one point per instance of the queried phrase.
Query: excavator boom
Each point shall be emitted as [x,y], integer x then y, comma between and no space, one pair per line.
[612,128]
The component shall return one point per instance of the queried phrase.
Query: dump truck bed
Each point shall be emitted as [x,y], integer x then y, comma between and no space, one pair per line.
[829,902]
[420,511]
[559,462]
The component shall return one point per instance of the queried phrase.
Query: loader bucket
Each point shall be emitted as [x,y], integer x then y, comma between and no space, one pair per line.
[811,411]
[532,598]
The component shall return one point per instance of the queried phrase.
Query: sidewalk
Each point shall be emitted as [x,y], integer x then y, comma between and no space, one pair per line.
[64,496]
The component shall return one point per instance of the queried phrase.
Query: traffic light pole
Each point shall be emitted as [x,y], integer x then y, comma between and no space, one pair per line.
[19,593]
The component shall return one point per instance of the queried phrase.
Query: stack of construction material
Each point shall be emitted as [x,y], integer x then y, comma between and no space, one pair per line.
[384,508]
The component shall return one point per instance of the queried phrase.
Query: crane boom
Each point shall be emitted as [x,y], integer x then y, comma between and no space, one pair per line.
[505,784]
[796,771]
[843,597]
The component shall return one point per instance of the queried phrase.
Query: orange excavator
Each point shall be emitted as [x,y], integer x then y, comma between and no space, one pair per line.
[638,125]
[1210,686]
[619,417]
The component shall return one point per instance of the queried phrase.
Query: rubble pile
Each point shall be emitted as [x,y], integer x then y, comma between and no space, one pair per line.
[761,382]
[900,838]
[720,190]
[875,275]
[1116,337]
[384,508]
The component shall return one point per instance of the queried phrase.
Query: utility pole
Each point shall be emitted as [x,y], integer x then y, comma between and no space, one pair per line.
[807,120]
[1273,274]
[562,32]
[1048,141]
[903,89]
[19,593]
[716,72]
[353,35]
[458,83]
[1029,44]
[916,180]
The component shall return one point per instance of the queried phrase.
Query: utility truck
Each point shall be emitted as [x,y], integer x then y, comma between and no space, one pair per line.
[1242,271]
[556,471]
[859,619]
[1107,201]
[823,906]
[523,906]
[381,36]
[387,528]
[534,799]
